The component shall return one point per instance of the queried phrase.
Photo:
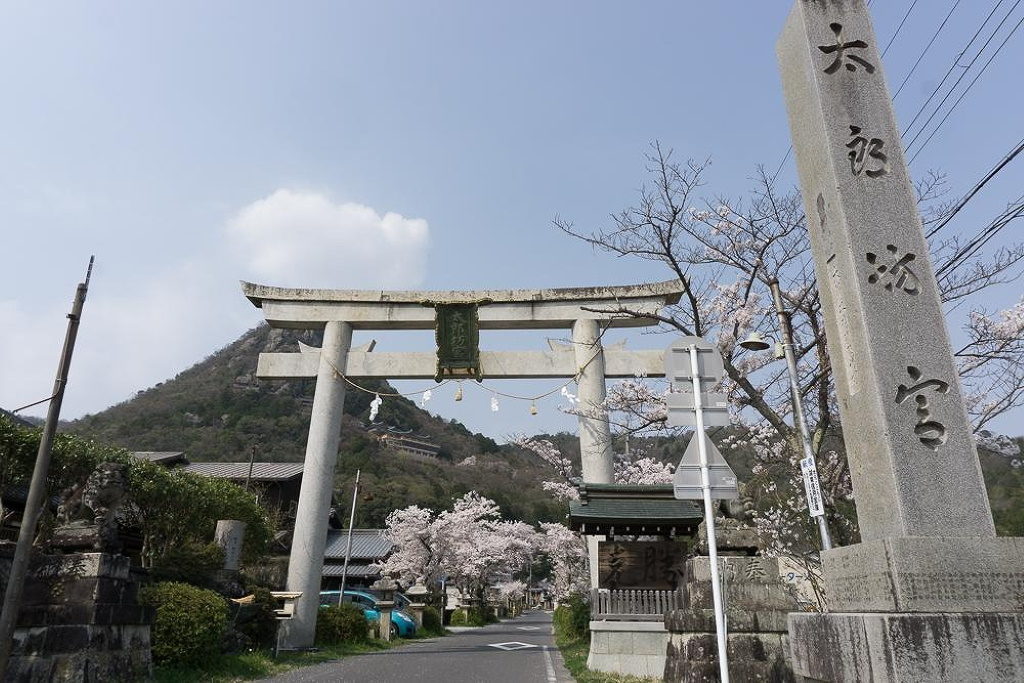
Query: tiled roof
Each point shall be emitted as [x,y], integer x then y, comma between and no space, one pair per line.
[261,471]
[354,570]
[631,502]
[161,457]
[610,509]
[367,544]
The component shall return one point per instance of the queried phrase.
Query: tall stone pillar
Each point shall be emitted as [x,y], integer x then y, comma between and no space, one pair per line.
[595,433]
[310,536]
[930,593]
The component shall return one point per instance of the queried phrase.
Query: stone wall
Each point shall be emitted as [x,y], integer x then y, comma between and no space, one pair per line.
[80,622]
[756,604]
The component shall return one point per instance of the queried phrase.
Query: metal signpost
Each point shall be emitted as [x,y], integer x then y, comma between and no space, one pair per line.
[688,361]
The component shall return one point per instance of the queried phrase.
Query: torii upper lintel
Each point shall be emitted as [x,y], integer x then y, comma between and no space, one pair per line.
[506,309]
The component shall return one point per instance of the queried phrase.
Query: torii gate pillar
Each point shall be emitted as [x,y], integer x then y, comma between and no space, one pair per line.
[305,563]
[595,433]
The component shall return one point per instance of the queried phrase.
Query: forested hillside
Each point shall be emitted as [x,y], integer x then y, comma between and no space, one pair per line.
[218,411]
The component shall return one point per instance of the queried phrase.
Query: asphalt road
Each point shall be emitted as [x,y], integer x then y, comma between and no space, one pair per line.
[520,650]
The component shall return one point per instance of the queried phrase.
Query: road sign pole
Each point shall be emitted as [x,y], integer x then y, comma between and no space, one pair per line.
[709,521]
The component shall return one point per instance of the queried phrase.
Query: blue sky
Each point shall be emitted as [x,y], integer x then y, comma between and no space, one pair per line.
[181,142]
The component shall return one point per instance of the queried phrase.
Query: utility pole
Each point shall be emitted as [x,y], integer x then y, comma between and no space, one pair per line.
[37,489]
[348,548]
[252,459]
[807,464]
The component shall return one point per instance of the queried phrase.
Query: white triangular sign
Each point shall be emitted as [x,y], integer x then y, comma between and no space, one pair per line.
[686,483]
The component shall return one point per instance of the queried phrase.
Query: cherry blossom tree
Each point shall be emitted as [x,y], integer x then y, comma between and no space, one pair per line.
[566,549]
[567,552]
[725,252]
[470,544]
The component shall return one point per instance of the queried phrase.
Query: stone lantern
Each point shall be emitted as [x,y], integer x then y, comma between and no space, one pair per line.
[417,600]
[385,587]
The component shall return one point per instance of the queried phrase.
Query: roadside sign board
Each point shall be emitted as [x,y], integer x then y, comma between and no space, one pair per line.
[812,488]
[677,363]
[682,413]
[686,483]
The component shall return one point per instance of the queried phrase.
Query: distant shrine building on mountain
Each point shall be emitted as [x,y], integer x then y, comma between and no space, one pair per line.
[457,317]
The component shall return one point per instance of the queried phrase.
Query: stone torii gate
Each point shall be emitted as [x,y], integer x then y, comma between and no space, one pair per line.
[587,311]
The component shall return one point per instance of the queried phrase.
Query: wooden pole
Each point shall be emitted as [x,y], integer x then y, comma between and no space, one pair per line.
[37,489]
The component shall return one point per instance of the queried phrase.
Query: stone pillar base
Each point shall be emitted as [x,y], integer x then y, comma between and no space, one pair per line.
[926,575]
[757,603]
[632,648]
[926,647]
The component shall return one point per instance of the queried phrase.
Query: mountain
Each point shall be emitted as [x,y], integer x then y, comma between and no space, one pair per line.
[218,411]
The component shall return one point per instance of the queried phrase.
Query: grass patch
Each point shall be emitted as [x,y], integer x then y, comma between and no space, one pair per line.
[261,663]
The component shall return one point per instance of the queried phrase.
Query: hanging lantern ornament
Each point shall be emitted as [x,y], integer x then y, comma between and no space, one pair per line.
[458,392]
[533,408]
[494,404]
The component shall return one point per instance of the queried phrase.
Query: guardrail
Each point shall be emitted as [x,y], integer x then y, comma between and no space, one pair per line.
[633,605]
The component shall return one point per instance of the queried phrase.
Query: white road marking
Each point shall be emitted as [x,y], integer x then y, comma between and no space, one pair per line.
[528,628]
[511,646]
[549,665]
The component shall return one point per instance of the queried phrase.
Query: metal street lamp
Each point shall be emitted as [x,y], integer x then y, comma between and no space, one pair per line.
[755,342]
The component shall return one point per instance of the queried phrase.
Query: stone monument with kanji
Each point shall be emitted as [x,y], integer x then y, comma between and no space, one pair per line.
[930,593]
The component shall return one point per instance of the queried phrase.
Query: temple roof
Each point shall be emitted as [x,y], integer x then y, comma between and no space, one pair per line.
[633,509]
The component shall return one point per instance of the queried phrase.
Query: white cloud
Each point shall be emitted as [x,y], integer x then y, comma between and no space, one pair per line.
[304,239]
[140,330]
[132,335]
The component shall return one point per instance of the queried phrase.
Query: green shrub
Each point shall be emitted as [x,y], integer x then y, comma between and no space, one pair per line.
[458,618]
[572,618]
[257,620]
[189,563]
[344,623]
[189,624]
[481,615]
[432,621]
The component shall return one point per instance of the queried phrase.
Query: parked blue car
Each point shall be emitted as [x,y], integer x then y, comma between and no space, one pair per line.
[402,623]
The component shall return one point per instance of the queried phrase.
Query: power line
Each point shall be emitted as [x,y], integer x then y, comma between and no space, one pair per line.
[980,184]
[952,66]
[953,88]
[926,48]
[968,89]
[1014,211]
[900,27]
